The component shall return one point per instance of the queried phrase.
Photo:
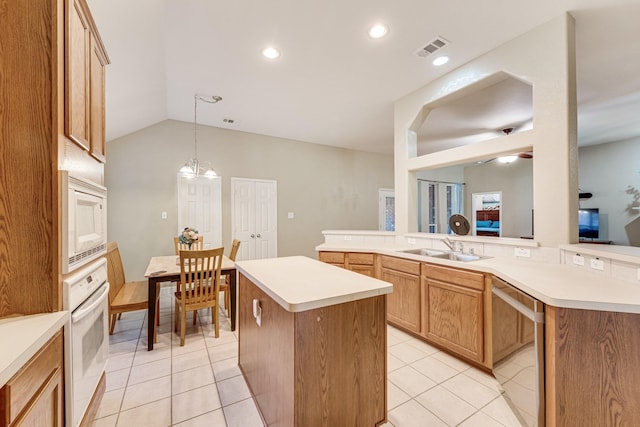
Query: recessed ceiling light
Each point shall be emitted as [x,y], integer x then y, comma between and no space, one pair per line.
[378,31]
[440,60]
[271,52]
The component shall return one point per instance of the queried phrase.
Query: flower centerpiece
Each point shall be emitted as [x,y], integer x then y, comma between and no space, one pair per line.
[188,236]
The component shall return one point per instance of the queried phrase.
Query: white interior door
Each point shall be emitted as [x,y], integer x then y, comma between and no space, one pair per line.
[200,206]
[254,218]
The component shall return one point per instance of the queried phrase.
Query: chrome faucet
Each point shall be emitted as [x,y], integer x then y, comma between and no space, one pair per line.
[453,245]
[450,243]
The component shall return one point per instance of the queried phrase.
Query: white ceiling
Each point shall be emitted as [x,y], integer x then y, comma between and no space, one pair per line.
[334,85]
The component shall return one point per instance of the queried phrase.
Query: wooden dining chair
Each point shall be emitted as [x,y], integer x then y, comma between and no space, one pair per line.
[224,285]
[198,287]
[198,245]
[123,296]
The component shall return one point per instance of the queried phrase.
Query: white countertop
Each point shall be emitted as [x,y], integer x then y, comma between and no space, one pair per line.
[559,285]
[562,285]
[299,283]
[23,336]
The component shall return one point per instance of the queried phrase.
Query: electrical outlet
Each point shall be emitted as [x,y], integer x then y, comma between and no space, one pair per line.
[290,215]
[163,215]
[522,252]
[597,264]
[578,259]
[347,237]
[411,241]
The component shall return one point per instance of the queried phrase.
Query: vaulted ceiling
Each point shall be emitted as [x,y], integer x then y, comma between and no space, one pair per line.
[333,84]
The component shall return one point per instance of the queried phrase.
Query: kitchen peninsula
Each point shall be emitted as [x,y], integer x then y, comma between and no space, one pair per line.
[591,319]
[313,342]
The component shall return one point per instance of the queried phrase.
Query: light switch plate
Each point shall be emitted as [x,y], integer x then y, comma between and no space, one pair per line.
[597,264]
[290,215]
[578,259]
[522,252]
[163,215]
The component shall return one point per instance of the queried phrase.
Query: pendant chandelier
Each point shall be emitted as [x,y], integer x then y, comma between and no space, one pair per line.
[194,168]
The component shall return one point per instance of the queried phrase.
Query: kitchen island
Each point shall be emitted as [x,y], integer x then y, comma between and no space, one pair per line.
[313,342]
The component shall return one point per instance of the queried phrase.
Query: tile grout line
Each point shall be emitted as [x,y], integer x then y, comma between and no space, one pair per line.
[215,380]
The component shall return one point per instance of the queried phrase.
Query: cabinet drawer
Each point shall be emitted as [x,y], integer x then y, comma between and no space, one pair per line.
[332,257]
[360,258]
[469,279]
[403,265]
[26,384]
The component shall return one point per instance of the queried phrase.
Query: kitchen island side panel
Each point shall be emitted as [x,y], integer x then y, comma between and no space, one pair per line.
[592,373]
[325,366]
[266,354]
[341,364]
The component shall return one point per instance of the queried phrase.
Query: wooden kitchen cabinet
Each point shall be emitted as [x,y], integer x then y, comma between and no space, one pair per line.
[363,263]
[84,81]
[97,63]
[360,262]
[36,55]
[453,310]
[404,303]
[34,395]
[333,258]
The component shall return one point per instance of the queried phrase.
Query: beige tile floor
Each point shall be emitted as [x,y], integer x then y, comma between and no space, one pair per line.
[200,384]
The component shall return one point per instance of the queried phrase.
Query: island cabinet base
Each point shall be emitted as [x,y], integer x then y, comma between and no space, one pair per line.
[592,368]
[320,367]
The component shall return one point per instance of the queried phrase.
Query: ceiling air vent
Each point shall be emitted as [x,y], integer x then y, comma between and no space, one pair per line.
[432,47]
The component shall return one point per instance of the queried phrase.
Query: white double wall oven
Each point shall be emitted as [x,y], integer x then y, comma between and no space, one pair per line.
[85,291]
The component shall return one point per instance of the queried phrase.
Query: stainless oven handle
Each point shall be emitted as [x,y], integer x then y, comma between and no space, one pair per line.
[99,297]
[526,311]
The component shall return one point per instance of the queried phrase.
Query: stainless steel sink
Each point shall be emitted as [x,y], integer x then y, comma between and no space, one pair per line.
[454,256]
[425,252]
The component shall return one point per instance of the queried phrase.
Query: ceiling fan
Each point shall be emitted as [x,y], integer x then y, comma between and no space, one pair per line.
[508,158]
[523,155]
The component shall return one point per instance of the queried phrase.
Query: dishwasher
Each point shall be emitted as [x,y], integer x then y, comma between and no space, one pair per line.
[518,351]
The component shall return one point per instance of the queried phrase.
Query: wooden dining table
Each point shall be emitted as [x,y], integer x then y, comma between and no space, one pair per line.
[167,269]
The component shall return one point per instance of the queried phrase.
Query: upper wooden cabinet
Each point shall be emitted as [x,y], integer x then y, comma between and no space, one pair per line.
[97,62]
[85,59]
[52,71]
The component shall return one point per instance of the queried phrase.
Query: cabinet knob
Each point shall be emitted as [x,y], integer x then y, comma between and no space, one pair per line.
[253,236]
[258,236]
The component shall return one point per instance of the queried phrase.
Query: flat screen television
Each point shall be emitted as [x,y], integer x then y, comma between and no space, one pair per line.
[588,223]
